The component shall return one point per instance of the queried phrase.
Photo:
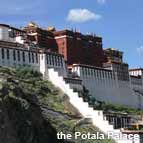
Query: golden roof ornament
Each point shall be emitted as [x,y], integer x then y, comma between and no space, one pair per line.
[51,28]
[32,24]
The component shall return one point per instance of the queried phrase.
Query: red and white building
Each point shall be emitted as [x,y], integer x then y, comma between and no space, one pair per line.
[73,61]
[80,59]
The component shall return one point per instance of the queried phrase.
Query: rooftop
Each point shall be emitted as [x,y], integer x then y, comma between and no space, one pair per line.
[11,27]
[92,67]
[136,69]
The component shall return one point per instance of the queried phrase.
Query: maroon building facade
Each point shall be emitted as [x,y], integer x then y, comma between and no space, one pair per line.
[79,48]
[76,47]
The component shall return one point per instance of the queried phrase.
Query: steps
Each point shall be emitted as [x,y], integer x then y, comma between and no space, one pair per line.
[83,107]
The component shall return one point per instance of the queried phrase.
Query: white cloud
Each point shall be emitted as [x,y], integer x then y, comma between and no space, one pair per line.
[140,50]
[82,15]
[101,1]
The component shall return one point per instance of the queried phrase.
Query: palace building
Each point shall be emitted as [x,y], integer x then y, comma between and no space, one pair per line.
[74,62]
[79,48]
[69,43]
[79,58]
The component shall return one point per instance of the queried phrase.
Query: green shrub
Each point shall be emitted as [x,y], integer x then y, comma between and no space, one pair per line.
[28,73]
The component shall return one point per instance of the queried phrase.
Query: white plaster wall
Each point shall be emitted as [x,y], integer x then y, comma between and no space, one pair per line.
[43,65]
[4,34]
[110,90]
[19,40]
[1,33]
[11,63]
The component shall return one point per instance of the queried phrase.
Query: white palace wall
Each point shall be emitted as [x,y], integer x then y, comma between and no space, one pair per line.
[104,85]
[40,61]
[4,34]
[101,83]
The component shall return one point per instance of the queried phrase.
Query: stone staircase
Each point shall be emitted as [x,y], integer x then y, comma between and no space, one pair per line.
[96,116]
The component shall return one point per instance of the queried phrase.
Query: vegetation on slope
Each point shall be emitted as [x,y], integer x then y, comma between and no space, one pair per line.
[32,110]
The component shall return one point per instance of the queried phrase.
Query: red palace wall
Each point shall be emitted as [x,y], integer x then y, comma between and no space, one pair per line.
[80,49]
[76,47]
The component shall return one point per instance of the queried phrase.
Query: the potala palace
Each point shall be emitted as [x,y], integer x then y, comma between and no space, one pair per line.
[73,61]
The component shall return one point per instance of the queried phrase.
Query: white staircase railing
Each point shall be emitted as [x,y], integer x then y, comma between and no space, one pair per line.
[83,107]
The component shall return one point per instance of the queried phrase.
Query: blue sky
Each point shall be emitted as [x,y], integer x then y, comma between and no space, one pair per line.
[119,22]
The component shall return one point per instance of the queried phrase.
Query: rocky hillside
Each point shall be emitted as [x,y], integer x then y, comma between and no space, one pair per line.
[32,110]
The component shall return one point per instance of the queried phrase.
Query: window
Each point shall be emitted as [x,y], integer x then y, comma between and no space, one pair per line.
[29,55]
[55,57]
[36,58]
[12,33]
[82,70]
[18,54]
[32,58]
[58,61]
[62,63]
[91,72]
[7,52]
[86,72]
[94,72]
[49,59]
[97,74]
[14,55]
[52,60]
[3,55]
[23,55]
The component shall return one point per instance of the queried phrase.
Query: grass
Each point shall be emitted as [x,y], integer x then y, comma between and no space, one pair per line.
[27,90]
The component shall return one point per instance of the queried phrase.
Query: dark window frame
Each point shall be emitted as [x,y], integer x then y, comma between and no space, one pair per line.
[3,54]
[23,56]
[18,55]
[29,55]
[14,55]
[7,53]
